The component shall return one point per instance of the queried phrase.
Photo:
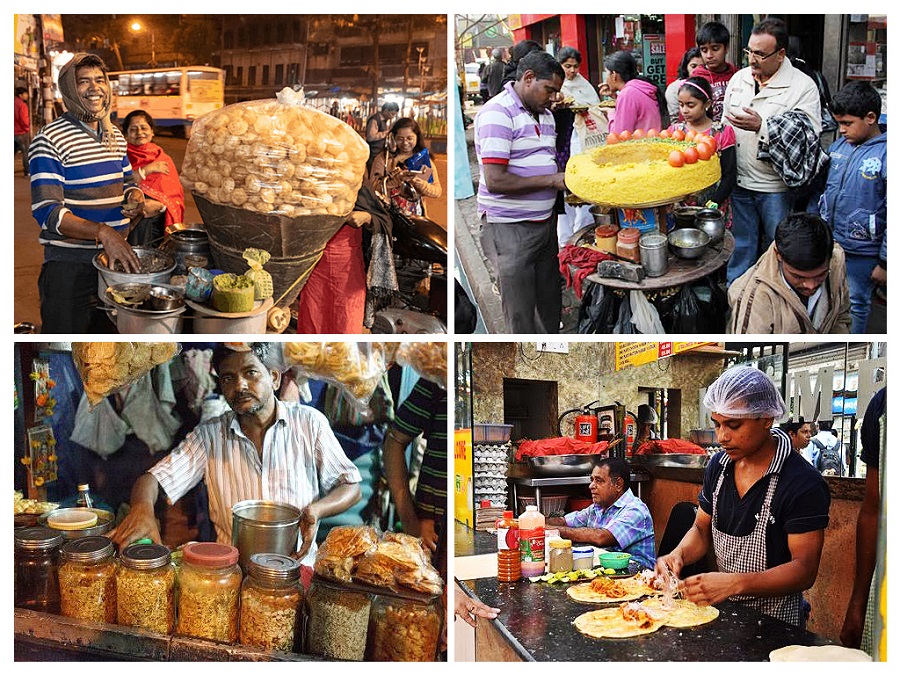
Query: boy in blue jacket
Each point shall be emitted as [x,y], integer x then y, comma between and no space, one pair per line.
[854,203]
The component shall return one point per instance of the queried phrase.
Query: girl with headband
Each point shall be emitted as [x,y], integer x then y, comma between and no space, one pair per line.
[695,103]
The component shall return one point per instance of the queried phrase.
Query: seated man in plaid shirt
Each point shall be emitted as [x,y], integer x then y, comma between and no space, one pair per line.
[617,520]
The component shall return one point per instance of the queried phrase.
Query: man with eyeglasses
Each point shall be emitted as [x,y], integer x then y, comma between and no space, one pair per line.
[768,87]
[799,284]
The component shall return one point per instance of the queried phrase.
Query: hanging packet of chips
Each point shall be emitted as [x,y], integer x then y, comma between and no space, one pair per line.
[106,367]
[428,359]
[355,367]
[262,280]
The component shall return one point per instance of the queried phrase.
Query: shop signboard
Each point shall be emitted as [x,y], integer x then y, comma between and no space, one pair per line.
[654,48]
[630,354]
[51,30]
[463,484]
[26,35]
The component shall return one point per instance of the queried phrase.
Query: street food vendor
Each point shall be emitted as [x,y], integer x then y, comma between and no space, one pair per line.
[763,508]
[263,448]
[617,520]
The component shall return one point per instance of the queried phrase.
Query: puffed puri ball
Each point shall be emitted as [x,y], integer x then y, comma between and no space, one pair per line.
[276,156]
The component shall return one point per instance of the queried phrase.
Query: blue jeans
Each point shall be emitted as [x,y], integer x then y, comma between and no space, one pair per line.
[859,279]
[756,215]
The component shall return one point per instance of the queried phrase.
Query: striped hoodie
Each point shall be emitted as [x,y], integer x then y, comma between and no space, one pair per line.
[72,172]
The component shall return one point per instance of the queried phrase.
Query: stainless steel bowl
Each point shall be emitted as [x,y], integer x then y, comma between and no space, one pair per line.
[562,465]
[688,243]
[165,298]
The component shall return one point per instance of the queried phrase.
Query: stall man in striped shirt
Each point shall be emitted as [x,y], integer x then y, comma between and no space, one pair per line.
[263,449]
[83,197]
[515,140]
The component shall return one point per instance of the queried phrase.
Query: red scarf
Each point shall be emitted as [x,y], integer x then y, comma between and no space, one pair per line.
[165,188]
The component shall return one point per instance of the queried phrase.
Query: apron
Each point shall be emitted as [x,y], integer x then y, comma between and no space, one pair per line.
[747,554]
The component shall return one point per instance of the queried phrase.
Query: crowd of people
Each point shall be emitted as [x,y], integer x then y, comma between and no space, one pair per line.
[809,224]
[95,186]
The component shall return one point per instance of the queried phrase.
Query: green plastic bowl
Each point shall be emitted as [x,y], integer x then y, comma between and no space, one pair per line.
[615,560]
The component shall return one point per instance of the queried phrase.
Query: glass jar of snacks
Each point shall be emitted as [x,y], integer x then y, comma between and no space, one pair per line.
[145,588]
[209,589]
[87,579]
[628,244]
[560,555]
[36,569]
[271,601]
[405,628]
[337,621]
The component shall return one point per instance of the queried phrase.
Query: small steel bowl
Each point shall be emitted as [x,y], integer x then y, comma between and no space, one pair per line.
[688,243]
[164,298]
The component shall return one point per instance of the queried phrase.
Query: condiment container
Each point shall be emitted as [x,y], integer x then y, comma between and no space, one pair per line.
[654,254]
[550,534]
[271,602]
[628,244]
[209,592]
[337,621]
[36,569]
[145,588]
[509,567]
[405,629]
[561,555]
[87,579]
[531,541]
[199,284]
[605,237]
[582,557]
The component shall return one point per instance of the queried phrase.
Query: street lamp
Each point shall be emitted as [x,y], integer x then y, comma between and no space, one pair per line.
[137,27]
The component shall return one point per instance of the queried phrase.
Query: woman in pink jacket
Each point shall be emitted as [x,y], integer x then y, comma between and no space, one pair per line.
[639,102]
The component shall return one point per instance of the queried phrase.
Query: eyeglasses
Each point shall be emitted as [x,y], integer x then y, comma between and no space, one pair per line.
[759,55]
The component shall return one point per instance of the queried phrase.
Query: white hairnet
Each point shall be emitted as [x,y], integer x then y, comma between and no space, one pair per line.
[744,392]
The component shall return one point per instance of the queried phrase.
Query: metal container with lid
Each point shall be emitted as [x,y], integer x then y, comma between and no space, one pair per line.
[271,602]
[145,588]
[259,526]
[654,254]
[87,579]
[35,568]
[209,592]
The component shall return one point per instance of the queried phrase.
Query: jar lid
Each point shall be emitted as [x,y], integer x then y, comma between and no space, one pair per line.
[209,554]
[37,538]
[560,543]
[629,234]
[145,556]
[606,230]
[87,549]
[83,486]
[583,550]
[77,518]
[273,567]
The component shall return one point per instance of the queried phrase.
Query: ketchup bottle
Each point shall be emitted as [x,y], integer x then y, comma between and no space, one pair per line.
[508,566]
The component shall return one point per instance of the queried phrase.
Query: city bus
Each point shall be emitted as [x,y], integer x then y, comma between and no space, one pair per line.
[174,97]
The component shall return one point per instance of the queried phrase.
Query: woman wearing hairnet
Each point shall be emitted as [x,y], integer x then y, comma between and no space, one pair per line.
[763,508]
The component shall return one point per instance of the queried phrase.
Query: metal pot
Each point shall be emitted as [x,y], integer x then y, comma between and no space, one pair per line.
[688,243]
[150,258]
[685,216]
[183,243]
[259,526]
[165,298]
[711,221]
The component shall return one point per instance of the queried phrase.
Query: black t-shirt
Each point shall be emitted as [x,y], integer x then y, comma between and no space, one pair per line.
[800,503]
[870,434]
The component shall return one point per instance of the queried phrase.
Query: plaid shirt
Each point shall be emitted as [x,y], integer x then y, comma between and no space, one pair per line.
[793,149]
[628,520]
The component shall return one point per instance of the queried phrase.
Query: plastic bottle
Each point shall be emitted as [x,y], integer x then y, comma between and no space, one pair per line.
[531,542]
[508,567]
[549,535]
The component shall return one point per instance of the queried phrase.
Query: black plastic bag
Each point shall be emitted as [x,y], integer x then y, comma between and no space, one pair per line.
[623,322]
[599,310]
[687,313]
[713,304]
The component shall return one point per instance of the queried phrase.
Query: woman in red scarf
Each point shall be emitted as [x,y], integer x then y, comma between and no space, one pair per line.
[154,170]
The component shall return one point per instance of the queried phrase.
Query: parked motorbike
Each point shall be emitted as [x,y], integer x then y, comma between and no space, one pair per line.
[420,259]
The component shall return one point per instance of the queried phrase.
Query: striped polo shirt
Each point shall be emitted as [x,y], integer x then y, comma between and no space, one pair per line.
[301,462]
[628,520]
[72,171]
[507,133]
[425,412]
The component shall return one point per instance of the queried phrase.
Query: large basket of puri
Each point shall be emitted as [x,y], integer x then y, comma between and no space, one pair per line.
[106,367]
[274,175]
[355,554]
